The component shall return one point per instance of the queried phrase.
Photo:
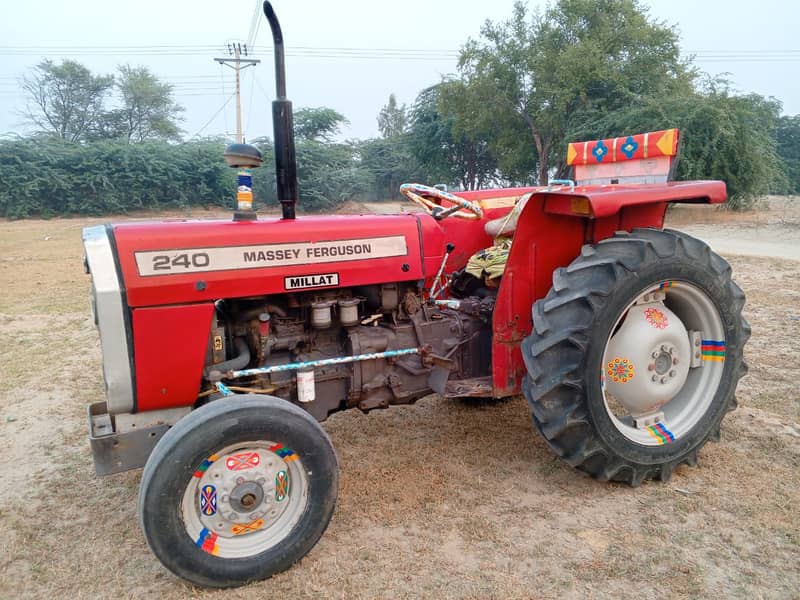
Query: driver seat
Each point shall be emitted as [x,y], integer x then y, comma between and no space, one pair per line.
[506,225]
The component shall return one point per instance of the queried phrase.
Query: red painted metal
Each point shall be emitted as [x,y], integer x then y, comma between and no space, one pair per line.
[606,200]
[543,242]
[170,341]
[197,287]
[169,345]
[549,235]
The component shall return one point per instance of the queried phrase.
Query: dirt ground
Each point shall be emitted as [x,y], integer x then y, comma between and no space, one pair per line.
[437,500]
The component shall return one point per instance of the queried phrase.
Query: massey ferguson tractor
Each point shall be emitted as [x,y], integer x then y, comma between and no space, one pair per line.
[225,343]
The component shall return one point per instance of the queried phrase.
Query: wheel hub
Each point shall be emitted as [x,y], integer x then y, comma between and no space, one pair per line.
[245,498]
[647,360]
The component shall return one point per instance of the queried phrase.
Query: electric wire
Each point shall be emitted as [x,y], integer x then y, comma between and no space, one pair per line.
[214,116]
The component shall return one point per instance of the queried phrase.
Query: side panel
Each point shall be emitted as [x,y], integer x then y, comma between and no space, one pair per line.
[170,347]
[542,243]
[188,262]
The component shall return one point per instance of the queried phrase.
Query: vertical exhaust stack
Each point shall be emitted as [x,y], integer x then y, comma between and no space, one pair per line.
[283,126]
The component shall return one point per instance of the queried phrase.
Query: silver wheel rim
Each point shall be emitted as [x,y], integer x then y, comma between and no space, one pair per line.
[245,499]
[679,415]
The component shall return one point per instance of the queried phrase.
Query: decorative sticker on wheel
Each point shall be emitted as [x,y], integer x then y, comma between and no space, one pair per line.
[285,453]
[207,541]
[656,318]
[666,284]
[281,486]
[243,528]
[661,434]
[243,461]
[208,500]
[620,370]
[204,465]
[713,350]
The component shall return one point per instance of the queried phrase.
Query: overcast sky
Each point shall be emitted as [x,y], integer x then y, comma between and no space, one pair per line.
[347,54]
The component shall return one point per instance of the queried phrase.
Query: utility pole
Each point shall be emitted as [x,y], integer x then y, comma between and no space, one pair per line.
[237,63]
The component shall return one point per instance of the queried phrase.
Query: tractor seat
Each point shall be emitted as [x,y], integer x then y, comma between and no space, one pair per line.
[506,225]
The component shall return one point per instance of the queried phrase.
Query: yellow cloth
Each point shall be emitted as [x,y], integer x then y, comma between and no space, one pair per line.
[490,262]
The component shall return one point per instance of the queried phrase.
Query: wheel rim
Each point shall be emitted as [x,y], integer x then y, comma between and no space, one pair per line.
[245,499]
[637,368]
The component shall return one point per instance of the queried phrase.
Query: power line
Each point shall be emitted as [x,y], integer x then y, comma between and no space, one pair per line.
[214,116]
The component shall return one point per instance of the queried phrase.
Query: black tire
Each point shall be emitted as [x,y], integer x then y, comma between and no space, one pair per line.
[199,435]
[573,323]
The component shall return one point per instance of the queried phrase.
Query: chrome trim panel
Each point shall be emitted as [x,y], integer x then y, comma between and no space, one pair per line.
[110,319]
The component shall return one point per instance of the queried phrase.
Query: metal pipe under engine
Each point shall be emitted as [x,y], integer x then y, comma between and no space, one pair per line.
[283,125]
[310,364]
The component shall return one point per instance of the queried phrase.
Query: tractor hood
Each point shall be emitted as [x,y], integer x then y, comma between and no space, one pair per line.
[176,262]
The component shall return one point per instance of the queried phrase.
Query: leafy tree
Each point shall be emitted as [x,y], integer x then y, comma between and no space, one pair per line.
[393,119]
[447,147]
[389,163]
[319,124]
[723,136]
[536,73]
[65,100]
[788,148]
[148,109]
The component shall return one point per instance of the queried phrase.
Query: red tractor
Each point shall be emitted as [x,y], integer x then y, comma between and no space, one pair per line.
[226,342]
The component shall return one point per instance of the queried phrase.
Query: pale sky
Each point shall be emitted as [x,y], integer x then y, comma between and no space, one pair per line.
[347,54]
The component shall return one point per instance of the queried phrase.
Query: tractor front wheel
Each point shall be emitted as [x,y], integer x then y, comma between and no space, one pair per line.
[635,355]
[238,490]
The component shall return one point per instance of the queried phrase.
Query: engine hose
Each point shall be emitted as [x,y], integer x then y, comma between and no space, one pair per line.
[241,360]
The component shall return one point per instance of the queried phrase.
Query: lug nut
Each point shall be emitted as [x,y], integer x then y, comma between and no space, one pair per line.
[675,361]
[663,348]
[672,373]
[663,380]
[655,377]
[654,355]
[697,342]
[697,355]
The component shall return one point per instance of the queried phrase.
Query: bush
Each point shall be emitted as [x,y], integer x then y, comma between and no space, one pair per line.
[42,177]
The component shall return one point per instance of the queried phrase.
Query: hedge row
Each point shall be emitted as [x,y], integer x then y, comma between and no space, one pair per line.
[44,178]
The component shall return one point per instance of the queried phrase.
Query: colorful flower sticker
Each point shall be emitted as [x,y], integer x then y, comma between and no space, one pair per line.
[599,151]
[656,318]
[629,147]
[208,500]
[242,528]
[620,370]
[245,460]
[281,486]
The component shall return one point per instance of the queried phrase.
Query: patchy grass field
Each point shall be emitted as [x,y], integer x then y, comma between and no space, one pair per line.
[437,499]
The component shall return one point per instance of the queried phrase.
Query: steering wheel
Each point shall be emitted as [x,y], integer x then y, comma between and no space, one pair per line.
[432,199]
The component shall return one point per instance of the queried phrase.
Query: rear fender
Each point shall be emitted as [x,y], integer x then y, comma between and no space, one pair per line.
[550,232]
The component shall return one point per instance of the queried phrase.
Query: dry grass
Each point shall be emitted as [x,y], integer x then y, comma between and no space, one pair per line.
[437,499]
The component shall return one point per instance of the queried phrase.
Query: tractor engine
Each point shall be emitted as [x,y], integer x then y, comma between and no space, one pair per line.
[317,328]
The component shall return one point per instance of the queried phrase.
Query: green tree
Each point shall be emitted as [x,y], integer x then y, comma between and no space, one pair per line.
[65,100]
[447,147]
[536,73]
[788,148]
[723,136]
[148,109]
[393,119]
[319,124]
[389,163]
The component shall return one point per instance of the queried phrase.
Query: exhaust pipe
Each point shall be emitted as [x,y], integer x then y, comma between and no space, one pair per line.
[282,123]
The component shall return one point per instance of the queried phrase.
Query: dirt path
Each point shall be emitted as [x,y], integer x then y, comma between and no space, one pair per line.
[437,500]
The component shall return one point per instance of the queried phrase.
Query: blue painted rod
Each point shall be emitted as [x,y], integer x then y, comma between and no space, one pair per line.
[321,363]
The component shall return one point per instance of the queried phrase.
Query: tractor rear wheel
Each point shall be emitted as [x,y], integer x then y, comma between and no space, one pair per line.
[238,490]
[635,355]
